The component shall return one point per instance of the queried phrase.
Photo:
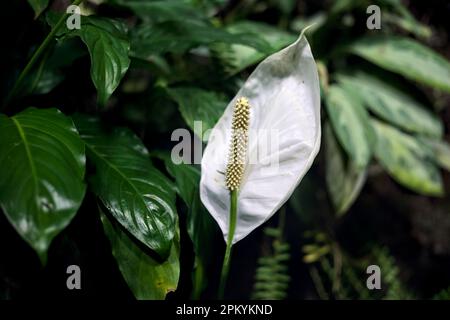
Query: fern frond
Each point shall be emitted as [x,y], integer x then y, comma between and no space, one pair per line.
[442,295]
[272,278]
[394,288]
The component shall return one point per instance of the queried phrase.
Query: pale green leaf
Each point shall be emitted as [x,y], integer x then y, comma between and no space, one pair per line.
[406,57]
[351,124]
[407,160]
[344,179]
[393,105]
[441,151]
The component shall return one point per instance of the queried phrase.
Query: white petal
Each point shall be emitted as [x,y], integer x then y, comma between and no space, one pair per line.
[284,96]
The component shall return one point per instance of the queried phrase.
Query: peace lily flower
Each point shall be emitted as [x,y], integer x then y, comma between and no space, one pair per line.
[281,97]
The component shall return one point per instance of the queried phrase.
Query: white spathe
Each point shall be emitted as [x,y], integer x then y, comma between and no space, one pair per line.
[284,100]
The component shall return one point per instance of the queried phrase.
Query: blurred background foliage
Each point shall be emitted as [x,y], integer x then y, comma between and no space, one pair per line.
[377,193]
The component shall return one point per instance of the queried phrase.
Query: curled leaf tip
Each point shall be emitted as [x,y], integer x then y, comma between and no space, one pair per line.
[238,147]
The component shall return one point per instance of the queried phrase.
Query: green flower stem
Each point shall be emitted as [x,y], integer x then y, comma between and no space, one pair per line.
[37,55]
[231,230]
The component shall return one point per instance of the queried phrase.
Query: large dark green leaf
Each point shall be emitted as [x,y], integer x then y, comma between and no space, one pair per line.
[147,277]
[406,57]
[351,124]
[108,46]
[199,105]
[344,179]
[407,160]
[393,105]
[42,164]
[137,194]
[38,6]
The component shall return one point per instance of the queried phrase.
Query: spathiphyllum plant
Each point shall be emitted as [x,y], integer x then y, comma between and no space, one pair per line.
[263,145]
[142,140]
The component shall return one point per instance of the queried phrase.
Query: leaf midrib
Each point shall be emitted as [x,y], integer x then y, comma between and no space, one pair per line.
[28,153]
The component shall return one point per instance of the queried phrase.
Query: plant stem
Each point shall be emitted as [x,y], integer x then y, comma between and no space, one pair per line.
[231,230]
[198,279]
[36,56]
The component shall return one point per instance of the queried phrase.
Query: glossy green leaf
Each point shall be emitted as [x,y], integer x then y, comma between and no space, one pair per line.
[344,179]
[108,46]
[393,105]
[42,164]
[147,277]
[407,160]
[38,6]
[440,150]
[140,197]
[350,122]
[237,57]
[198,105]
[406,57]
